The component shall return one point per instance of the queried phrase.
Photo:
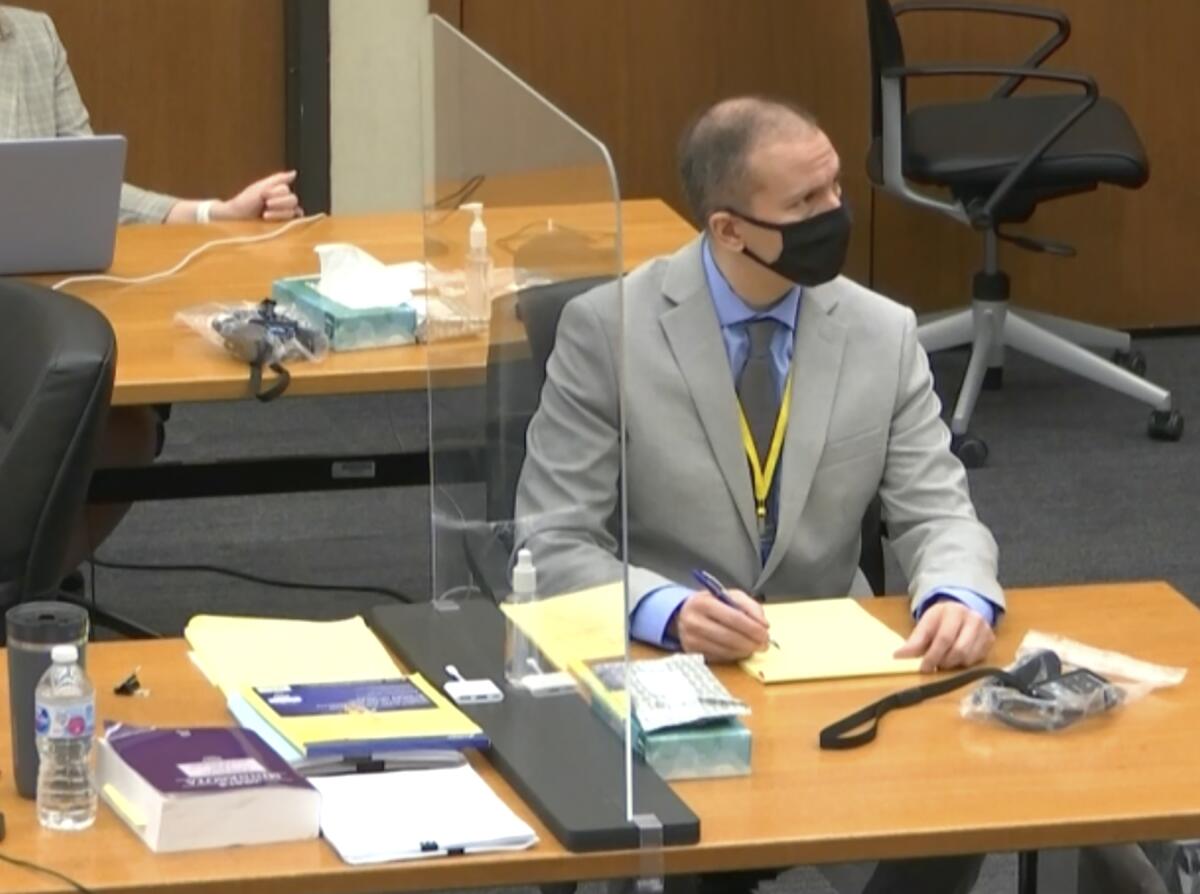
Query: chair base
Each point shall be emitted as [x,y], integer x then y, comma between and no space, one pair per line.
[990,327]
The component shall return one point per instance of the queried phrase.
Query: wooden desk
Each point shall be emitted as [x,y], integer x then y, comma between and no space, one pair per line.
[932,783]
[159,361]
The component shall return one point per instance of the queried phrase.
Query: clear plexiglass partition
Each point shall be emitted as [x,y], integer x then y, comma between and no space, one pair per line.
[522,237]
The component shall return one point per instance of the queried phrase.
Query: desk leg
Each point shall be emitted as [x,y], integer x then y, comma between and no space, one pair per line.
[1027,872]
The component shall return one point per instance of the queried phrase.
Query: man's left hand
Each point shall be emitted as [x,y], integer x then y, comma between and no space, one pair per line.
[948,635]
[269,199]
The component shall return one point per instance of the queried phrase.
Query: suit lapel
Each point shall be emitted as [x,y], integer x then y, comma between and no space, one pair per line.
[694,335]
[816,367]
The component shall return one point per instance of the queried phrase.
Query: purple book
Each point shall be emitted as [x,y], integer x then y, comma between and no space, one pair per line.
[201,758]
[187,788]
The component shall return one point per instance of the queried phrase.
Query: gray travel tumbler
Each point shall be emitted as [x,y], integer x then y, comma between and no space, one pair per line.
[34,628]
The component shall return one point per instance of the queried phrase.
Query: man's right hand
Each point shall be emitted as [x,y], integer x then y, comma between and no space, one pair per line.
[706,625]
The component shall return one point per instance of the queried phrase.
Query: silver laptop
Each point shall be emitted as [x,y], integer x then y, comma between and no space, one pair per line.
[59,202]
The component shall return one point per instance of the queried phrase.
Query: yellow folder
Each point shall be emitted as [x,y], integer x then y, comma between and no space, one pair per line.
[240,654]
[822,639]
[234,652]
[580,626]
[436,725]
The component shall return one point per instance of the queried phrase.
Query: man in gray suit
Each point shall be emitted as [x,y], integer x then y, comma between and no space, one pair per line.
[768,400]
[747,329]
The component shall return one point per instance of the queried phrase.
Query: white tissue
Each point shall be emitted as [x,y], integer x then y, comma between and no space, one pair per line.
[355,279]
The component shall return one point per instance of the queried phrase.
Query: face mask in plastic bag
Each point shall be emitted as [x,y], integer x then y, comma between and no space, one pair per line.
[262,335]
[1054,683]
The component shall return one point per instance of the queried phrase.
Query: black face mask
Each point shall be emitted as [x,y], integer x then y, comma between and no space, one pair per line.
[814,250]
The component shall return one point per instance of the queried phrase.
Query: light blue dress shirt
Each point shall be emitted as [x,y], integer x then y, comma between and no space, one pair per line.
[658,608]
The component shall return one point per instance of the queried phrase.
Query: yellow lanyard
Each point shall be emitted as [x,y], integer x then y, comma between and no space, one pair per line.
[764,476]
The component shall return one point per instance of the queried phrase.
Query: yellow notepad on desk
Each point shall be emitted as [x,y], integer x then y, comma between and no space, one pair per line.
[824,639]
[587,624]
[234,651]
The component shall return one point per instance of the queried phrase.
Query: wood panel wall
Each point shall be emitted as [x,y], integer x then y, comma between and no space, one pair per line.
[635,71]
[196,85]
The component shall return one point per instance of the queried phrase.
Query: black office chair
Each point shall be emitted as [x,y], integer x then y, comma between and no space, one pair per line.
[489,549]
[999,158]
[57,360]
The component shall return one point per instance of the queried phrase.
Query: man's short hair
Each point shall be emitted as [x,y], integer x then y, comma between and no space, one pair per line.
[715,147]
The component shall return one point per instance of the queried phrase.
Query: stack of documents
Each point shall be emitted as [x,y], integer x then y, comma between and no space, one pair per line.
[320,688]
[823,639]
[378,817]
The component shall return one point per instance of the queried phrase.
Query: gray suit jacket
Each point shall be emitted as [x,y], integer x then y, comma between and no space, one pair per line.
[39,99]
[863,420]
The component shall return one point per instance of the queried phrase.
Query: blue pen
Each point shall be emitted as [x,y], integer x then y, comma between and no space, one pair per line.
[714,586]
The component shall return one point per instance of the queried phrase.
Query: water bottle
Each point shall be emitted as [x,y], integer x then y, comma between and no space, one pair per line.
[64,720]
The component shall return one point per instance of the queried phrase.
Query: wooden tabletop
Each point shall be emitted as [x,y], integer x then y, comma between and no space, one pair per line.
[161,361]
[932,782]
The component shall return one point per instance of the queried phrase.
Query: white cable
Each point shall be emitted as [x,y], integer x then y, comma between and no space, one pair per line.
[188,258]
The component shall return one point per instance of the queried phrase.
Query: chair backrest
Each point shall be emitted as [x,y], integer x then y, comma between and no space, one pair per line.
[57,360]
[516,389]
[887,50]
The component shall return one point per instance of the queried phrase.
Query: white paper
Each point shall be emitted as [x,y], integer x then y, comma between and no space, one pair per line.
[380,817]
[356,279]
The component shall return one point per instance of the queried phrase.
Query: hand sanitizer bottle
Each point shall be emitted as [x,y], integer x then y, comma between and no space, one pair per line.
[519,652]
[479,267]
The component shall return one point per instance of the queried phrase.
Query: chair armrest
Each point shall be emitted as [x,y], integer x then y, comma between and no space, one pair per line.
[982,217]
[1041,54]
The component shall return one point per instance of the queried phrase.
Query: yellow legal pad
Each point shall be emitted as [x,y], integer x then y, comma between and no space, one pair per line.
[580,626]
[822,639]
[234,651]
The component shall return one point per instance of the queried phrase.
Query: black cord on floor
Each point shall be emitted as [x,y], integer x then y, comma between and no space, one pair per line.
[34,867]
[252,578]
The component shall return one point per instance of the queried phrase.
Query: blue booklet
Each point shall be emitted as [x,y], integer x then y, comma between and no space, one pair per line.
[359,718]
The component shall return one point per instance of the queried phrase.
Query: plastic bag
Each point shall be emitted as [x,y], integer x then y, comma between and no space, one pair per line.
[1056,682]
[260,334]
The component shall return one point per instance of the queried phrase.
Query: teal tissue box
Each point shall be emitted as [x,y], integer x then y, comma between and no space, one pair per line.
[703,751]
[348,328]
[720,748]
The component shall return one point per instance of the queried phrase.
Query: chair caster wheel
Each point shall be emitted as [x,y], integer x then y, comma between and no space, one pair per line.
[1133,360]
[993,378]
[970,450]
[1165,425]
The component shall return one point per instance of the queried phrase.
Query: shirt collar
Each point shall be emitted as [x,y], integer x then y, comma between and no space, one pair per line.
[732,310]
